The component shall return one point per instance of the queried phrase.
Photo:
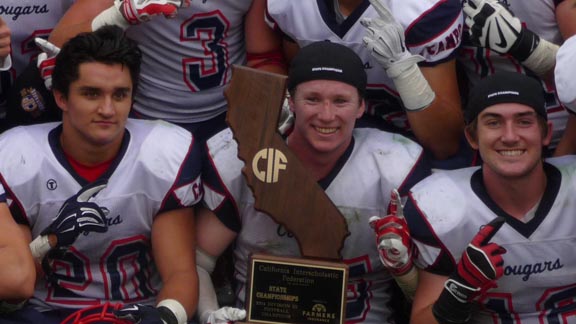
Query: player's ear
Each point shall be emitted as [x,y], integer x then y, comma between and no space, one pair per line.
[291,102]
[547,133]
[361,109]
[61,100]
[470,131]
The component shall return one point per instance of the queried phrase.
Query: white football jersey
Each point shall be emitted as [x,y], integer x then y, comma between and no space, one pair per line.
[540,17]
[146,178]
[433,30]
[27,20]
[446,210]
[359,186]
[187,60]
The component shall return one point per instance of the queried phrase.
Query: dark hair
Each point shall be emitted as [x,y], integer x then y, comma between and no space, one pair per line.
[107,45]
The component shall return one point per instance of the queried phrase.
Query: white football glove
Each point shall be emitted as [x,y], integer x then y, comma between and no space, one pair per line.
[226,315]
[132,12]
[492,25]
[385,41]
[46,60]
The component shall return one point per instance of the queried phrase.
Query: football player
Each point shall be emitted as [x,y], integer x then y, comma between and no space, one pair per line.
[327,85]
[105,200]
[495,242]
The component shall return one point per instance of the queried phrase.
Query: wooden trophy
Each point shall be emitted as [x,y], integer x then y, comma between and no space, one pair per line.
[311,289]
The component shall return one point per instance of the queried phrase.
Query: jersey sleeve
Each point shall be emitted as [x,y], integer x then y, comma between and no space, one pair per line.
[436,33]
[187,188]
[432,256]
[222,178]
[2,194]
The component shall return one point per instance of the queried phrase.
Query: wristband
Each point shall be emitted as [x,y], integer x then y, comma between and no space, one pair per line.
[448,310]
[543,58]
[40,246]
[172,311]
[6,63]
[408,282]
[110,16]
[411,85]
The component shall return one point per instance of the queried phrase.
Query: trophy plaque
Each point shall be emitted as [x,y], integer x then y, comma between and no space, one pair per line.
[310,289]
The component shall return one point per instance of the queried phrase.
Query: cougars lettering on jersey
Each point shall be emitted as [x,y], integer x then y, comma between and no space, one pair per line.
[187,61]
[27,20]
[446,210]
[433,29]
[540,17]
[146,178]
[360,187]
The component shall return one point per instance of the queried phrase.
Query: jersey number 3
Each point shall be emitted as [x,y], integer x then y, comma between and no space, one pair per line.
[209,71]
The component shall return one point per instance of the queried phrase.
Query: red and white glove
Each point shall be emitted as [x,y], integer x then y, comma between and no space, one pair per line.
[393,238]
[46,60]
[479,268]
[132,12]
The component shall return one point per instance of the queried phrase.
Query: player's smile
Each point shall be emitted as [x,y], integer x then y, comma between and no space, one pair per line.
[326,130]
[516,152]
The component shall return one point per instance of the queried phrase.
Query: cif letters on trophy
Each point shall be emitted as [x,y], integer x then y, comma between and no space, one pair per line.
[312,288]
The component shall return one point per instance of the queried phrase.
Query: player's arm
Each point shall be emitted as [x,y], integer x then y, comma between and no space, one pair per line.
[5,42]
[213,237]
[173,244]
[17,273]
[263,44]
[567,144]
[566,18]
[430,95]
[439,127]
[77,19]
[429,288]
[87,15]
[449,300]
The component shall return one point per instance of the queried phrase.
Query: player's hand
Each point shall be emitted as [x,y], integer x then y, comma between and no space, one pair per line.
[385,40]
[493,26]
[5,40]
[78,215]
[137,11]
[479,268]
[46,60]
[141,314]
[226,315]
[393,238]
